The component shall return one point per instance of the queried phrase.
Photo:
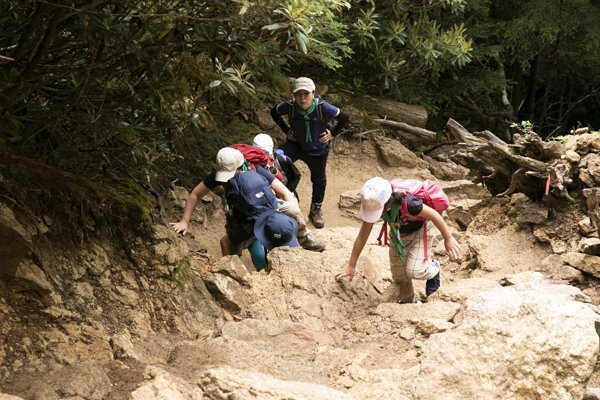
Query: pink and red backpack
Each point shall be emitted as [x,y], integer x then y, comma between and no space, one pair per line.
[428,191]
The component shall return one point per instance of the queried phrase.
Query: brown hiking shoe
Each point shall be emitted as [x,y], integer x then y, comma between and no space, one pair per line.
[316,215]
[311,242]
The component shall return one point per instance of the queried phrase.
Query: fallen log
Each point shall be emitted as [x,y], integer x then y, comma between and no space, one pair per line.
[462,135]
[379,107]
[504,159]
[420,132]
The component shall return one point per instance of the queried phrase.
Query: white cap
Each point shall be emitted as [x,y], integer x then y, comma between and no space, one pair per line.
[264,141]
[373,196]
[228,161]
[304,84]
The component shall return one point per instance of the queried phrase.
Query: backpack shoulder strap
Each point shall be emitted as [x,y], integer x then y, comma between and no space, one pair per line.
[319,108]
[290,110]
[320,111]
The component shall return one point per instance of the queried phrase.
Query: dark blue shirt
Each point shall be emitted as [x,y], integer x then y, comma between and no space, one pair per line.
[211,182]
[317,126]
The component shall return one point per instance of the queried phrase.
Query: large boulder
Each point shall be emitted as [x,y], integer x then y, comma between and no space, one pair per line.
[394,154]
[163,385]
[527,341]
[228,383]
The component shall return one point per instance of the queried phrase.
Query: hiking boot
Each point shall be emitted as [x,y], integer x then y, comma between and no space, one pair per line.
[311,242]
[316,215]
[434,283]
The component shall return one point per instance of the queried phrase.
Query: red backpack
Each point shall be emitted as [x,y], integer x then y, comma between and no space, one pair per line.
[255,155]
[428,191]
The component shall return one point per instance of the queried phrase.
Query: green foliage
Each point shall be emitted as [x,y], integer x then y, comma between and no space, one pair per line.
[136,87]
[539,46]
[524,127]
[131,188]
[121,87]
[402,43]
[368,123]
[474,88]
[311,29]
[11,128]
[239,132]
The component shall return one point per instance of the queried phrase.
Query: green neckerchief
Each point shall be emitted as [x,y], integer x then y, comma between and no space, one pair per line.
[305,114]
[391,217]
[245,166]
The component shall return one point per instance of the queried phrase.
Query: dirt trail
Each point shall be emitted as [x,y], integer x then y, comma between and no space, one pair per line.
[366,347]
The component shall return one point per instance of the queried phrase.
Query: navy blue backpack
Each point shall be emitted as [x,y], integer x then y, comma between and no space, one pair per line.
[250,194]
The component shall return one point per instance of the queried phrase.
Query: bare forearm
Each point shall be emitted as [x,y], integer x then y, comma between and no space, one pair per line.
[190,206]
[438,221]
[357,248]
[359,242]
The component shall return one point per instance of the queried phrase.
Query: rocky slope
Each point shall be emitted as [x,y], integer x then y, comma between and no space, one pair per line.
[515,317]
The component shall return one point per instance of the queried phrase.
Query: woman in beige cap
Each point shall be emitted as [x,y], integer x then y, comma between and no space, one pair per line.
[308,137]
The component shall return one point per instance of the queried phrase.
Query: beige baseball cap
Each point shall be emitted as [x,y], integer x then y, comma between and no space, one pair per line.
[304,84]
[228,161]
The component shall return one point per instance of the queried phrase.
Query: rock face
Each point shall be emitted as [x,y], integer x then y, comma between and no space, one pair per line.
[524,341]
[228,383]
[162,385]
[167,323]
[394,154]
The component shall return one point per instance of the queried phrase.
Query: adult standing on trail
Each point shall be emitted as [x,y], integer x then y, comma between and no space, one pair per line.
[378,199]
[308,137]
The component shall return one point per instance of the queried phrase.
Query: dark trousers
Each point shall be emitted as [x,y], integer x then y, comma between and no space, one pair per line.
[316,164]
[239,233]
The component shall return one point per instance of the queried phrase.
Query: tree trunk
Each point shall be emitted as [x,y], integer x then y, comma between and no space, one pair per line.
[530,113]
[515,96]
[379,107]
